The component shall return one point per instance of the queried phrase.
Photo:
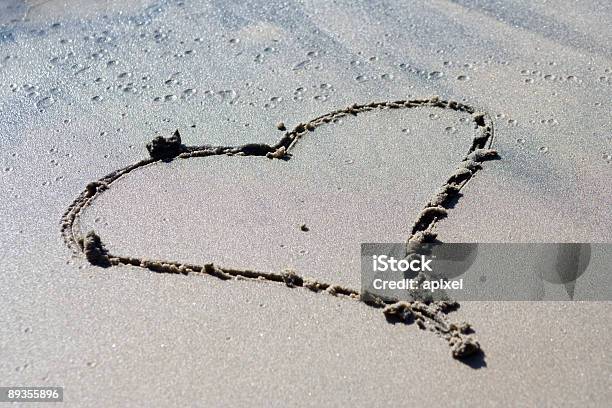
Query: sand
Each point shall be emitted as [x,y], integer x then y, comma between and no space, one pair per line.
[83,89]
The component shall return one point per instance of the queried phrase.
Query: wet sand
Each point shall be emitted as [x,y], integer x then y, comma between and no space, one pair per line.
[83,90]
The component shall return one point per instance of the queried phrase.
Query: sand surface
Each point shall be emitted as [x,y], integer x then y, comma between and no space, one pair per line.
[84,87]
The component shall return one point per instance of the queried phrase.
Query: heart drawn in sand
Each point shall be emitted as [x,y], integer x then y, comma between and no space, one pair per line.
[305,209]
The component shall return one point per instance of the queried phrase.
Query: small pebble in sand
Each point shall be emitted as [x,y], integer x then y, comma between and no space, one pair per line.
[281,126]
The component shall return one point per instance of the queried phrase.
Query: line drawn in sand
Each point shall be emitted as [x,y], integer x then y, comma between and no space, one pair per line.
[428,314]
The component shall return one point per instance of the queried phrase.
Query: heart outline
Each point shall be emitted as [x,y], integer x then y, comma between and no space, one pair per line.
[161,149]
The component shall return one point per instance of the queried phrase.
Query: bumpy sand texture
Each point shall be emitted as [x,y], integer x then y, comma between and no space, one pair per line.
[83,90]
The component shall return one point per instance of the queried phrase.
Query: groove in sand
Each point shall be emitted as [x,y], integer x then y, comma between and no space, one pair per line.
[428,315]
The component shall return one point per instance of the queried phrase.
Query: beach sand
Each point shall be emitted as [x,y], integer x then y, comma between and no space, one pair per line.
[83,89]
